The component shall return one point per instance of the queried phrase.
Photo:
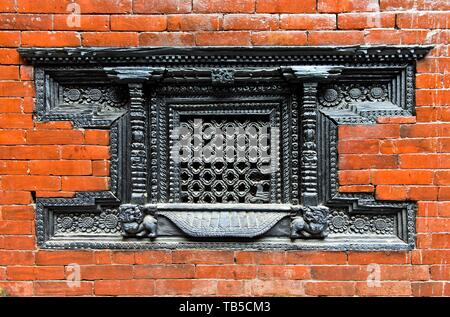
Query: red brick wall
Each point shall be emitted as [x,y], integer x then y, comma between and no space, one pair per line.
[404,158]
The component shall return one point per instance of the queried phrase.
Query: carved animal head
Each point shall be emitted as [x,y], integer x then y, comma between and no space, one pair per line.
[315,214]
[130,213]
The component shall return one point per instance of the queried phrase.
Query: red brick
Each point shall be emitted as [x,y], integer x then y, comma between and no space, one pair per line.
[378,258]
[355,161]
[247,257]
[307,22]
[44,167]
[96,137]
[335,37]
[339,273]
[23,22]
[277,287]
[408,146]
[193,22]
[100,168]
[440,272]
[63,288]
[19,242]
[103,257]
[185,287]
[17,288]
[9,72]
[106,272]
[279,38]
[110,39]
[81,23]
[57,125]
[378,36]
[354,177]
[50,39]
[15,197]
[396,120]
[7,5]
[357,189]
[9,39]
[138,23]
[337,6]
[423,193]
[388,131]
[123,257]
[164,271]
[427,289]
[12,137]
[162,6]
[444,209]
[430,20]
[125,287]
[391,192]
[432,97]
[227,288]
[431,257]
[429,80]
[361,21]
[55,137]
[330,288]
[231,6]
[23,273]
[226,271]
[26,72]
[9,56]
[15,89]
[86,6]
[402,272]
[398,288]
[285,6]
[83,183]
[359,147]
[441,241]
[280,272]
[15,227]
[87,152]
[8,257]
[427,209]
[166,39]
[423,161]
[17,212]
[10,105]
[15,121]
[202,257]
[29,152]
[250,22]
[428,114]
[64,257]
[26,182]
[222,38]
[400,177]
[309,257]
[154,257]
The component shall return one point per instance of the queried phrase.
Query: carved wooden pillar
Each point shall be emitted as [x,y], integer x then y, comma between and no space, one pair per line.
[309,156]
[135,78]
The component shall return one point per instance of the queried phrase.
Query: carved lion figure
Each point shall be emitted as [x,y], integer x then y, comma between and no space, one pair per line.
[135,222]
[312,222]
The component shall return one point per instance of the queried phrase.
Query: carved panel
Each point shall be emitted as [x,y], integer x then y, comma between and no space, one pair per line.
[176,114]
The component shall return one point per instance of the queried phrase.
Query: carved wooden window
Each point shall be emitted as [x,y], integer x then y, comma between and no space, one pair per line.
[176,114]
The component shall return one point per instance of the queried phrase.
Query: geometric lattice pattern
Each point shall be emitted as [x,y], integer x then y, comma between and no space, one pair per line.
[224,161]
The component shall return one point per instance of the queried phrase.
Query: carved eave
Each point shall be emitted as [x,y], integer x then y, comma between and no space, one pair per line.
[223,55]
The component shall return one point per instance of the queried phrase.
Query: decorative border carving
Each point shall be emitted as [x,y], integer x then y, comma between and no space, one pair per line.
[221,71]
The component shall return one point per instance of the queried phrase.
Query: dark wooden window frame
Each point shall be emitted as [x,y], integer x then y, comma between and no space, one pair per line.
[135,92]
